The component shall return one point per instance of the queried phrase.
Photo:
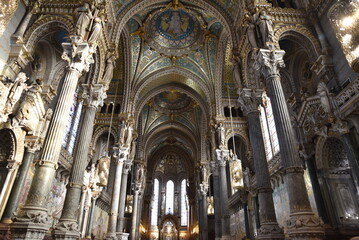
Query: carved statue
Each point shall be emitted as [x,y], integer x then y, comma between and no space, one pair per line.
[139,173]
[4,92]
[123,131]
[103,171]
[110,65]
[16,91]
[83,20]
[129,136]
[95,31]
[237,69]
[221,134]
[265,27]
[324,95]
[251,31]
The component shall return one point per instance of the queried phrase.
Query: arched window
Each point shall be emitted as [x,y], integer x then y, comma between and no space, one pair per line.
[268,129]
[154,210]
[184,203]
[72,125]
[169,197]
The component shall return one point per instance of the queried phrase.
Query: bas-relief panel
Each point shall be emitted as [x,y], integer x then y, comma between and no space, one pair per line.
[100,221]
[281,204]
[238,230]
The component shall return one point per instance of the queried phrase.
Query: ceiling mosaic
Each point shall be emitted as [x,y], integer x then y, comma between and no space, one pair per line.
[170,163]
[174,32]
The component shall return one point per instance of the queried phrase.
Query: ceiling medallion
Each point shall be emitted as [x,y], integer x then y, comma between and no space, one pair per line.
[174,30]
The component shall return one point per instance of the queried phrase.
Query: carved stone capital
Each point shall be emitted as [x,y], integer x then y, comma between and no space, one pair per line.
[268,62]
[126,167]
[77,54]
[203,189]
[222,156]
[250,99]
[94,94]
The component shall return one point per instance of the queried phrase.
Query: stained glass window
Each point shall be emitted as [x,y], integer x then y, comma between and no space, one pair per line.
[154,210]
[169,197]
[184,203]
[269,131]
[72,125]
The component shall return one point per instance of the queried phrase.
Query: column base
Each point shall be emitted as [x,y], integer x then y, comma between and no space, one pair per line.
[111,236]
[28,230]
[305,226]
[122,236]
[66,235]
[66,230]
[226,238]
[270,230]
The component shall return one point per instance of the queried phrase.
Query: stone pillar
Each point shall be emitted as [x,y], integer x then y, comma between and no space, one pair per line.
[204,209]
[14,198]
[120,157]
[92,215]
[136,194]
[222,156]
[216,198]
[67,227]
[246,221]
[33,220]
[269,228]
[82,210]
[138,180]
[302,223]
[122,203]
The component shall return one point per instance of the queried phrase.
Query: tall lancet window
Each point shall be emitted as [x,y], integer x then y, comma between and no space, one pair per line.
[268,129]
[184,203]
[154,210]
[169,197]
[72,125]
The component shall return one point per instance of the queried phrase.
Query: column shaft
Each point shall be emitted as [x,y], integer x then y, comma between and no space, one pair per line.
[267,215]
[224,201]
[204,217]
[134,215]
[300,210]
[72,200]
[217,206]
[46,167]
[122,202]
[14,198]
[90,221]
[112,221]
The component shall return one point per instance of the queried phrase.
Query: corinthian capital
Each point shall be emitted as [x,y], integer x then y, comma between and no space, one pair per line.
[250,99]
[94,94]
[268,62]
[222,156]
[78,54]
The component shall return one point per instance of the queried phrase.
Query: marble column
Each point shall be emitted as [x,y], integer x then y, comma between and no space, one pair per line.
[82,210]
[139,178]
[120,157]
[90,220]
[18,187]
[302,223]
[216,198]
[246,221]
[269,228]
[222,156]
[136,194]
[122,203]
[67,227]
[33,220]
[203,206]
